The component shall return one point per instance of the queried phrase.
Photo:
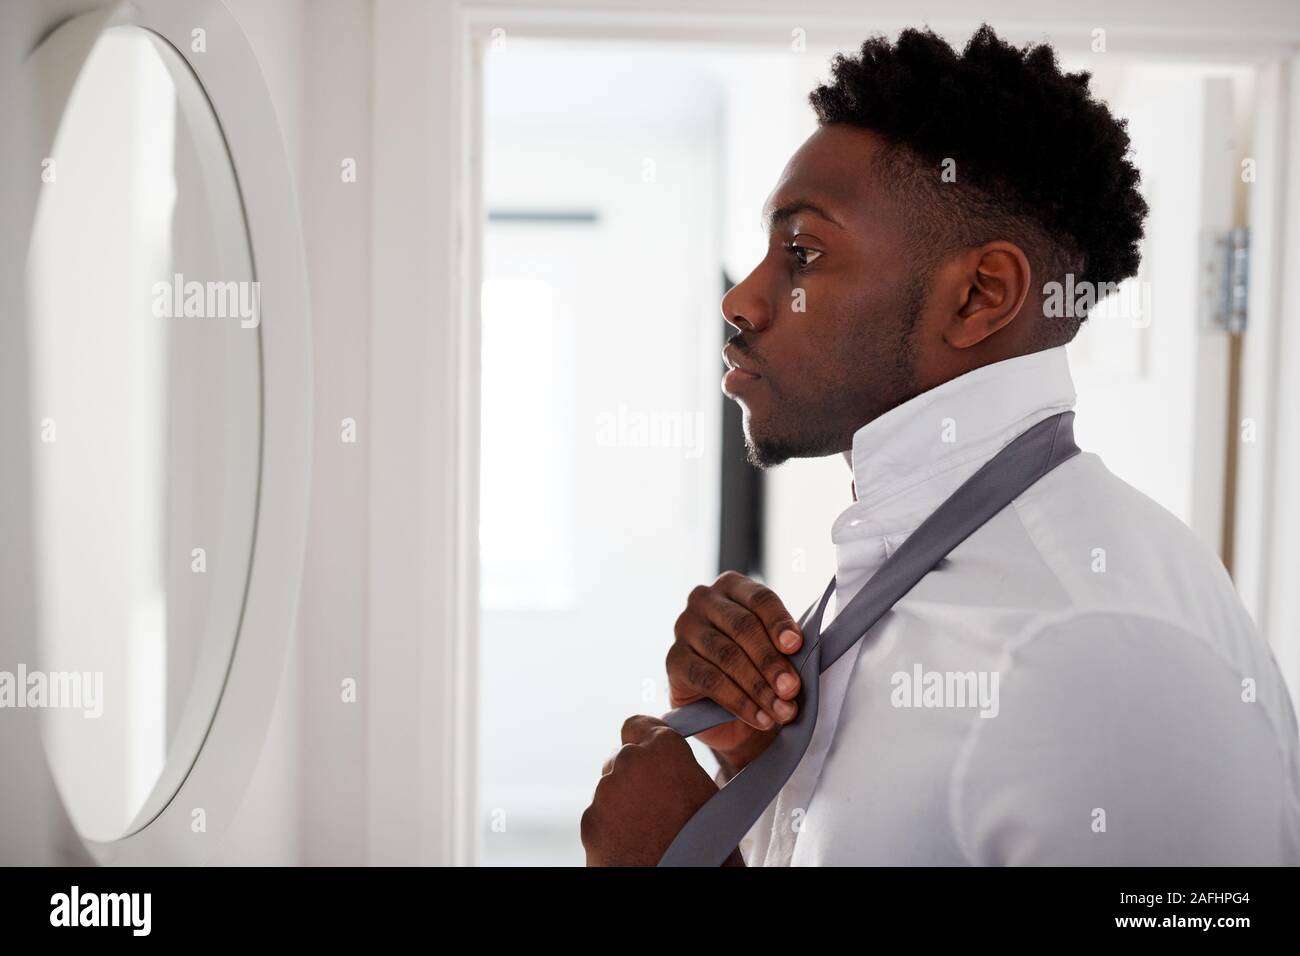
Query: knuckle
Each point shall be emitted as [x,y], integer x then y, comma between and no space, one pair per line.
[734,618]
[702,676]
[772,607]
[726,653]
[780,624]
[745,625]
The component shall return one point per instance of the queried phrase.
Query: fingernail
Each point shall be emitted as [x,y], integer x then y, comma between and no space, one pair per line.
[764,721]
[785,683]
[784,709]
[789,640]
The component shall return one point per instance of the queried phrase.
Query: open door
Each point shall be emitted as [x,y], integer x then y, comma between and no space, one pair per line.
[1152,363]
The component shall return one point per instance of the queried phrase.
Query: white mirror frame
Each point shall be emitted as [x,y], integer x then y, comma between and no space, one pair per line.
[233,82]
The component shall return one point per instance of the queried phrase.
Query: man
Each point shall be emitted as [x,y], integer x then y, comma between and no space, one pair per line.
[1079,684]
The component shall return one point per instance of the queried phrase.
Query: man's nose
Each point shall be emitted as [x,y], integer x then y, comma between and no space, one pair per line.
[743,309]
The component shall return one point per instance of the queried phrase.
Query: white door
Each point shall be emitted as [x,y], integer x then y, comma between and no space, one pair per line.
[1151,370]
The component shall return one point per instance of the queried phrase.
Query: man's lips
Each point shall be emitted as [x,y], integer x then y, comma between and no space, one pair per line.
[738,376]
[732,358]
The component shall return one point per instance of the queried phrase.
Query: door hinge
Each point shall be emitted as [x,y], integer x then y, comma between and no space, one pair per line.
[1225,280]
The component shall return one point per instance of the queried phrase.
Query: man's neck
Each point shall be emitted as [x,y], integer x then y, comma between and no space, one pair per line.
[848,460]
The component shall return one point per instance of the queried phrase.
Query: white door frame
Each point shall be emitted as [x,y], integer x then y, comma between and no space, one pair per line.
[425,459]
[1267,515]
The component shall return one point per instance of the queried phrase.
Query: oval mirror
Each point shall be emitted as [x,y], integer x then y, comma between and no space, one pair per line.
[146,382]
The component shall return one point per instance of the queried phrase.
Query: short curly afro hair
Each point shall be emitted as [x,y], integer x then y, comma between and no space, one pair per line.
[1037,160]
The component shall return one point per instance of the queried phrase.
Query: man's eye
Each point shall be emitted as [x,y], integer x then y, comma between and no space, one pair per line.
[803,254]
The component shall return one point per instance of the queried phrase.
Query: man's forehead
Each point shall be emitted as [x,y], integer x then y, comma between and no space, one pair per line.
[786,204]
[840,204]
[828,175]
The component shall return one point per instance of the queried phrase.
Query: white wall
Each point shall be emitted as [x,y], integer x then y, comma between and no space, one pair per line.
[266,830]
[307,801]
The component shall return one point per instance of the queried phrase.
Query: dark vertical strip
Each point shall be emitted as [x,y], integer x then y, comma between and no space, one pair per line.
[740,538]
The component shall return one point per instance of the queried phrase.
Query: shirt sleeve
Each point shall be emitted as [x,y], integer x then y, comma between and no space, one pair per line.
[1123,740]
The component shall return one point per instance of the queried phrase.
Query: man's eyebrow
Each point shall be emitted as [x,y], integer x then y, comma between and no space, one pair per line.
[793,208]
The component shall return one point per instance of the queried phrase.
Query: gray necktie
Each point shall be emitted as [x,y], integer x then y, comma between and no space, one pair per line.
[716,829]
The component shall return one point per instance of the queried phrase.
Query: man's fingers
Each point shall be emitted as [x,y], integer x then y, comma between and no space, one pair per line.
[763,602]
[638,728]
[732,645]
[710,680]
[731,658]
[745,629]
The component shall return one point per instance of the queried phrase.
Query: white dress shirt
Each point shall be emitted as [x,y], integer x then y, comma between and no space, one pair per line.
[1134,714]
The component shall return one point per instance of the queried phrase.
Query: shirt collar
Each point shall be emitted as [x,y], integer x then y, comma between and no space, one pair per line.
[900,459]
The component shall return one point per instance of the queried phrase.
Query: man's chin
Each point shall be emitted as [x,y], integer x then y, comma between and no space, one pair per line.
[760,456]
[768,452]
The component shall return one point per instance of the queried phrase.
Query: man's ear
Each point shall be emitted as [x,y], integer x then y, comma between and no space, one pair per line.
[993,283]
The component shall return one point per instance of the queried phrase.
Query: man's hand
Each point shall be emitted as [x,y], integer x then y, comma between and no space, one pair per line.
[731,646]
[646,794]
